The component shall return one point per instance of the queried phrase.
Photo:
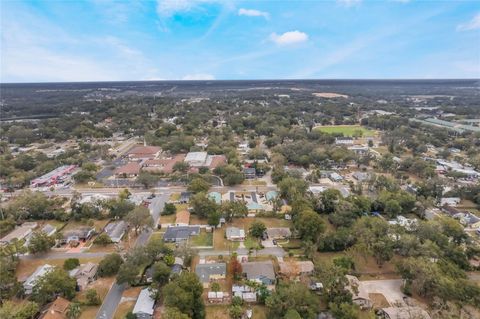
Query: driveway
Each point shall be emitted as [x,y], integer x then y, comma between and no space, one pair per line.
[390,288]
[268,243]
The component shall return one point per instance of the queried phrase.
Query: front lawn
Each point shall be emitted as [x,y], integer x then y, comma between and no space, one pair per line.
[203,239]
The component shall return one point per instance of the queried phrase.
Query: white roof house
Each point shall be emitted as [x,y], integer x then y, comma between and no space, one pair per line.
[144,307]
[31,281]
[196,159]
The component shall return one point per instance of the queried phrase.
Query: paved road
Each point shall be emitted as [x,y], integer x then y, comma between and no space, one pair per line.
[110,304]
[60,255]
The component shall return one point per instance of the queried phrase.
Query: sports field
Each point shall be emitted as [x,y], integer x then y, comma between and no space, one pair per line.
[347,130]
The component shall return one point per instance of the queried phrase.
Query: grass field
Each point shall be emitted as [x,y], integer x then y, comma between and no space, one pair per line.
[346,130]
[204,239]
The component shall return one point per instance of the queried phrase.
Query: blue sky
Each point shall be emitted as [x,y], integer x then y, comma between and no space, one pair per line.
[97,40]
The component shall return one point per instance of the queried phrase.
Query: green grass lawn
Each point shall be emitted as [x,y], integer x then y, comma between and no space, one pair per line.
[204,239]
[251,243]
[346,130]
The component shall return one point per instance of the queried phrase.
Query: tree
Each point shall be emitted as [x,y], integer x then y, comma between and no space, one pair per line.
[292,296]
[235,311]
[128,273]
[257,229]
[174,313]
[24,310]
[161,273]
[71,263]
[214,218]
[292,314]
[103,240]
[110,265]
[139,217]
[147,179]
[198,185]
[235,267]
[181,167]
[185,294]
[344,310]
[292,188]
[74,310]
[215,286]
[233,209]
[392,208]
[309,225]
[169,209]
[202,205]
[119,208]
[92,297]
[54,283]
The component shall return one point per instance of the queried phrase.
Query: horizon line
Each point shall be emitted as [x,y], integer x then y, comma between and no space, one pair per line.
[252,80]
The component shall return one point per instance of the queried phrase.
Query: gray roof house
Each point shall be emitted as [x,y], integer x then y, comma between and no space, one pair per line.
[209,272]
[259,271]
[180,233]
[116,230]
[144,307]
[279,232]
[79,234]
[185,197]
[31,281]
[48,229]
[235,233]
[84,274]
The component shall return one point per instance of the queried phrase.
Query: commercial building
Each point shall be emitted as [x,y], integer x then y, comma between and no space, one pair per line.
[54,177]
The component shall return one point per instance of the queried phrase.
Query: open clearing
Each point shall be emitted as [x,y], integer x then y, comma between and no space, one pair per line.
[346,130]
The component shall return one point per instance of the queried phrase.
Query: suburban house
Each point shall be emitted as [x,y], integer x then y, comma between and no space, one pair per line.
[359,297]
[183,218]
[144,307]
[57,310]
[450,201]
[279,232]
[249,173]
[359,150]
[129,170]
[406,312]
[76,235]
[177,266]
[245,292]
[210,272]
[19,233]
[449,210]
[185,197]
[235,234]
[361,176]
[144,152]
[260,272]
[217,296]
[31,281]
[115,230]
[344,141]
[85,274]
[296,268]
[175,234]
[335,177]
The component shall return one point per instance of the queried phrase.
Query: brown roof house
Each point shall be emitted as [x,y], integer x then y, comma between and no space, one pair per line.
[57,310]
[128,170]
[144,152]
[296,268]
[164,165]
[84,274]
[183,218]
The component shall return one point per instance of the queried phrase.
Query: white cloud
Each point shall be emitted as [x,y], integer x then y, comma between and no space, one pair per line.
[349,3]
[198,76]
[168,8]
[473,24]
[289,38]
[253,13]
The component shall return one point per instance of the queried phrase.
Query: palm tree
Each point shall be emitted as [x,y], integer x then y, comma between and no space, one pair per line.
[73,311]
